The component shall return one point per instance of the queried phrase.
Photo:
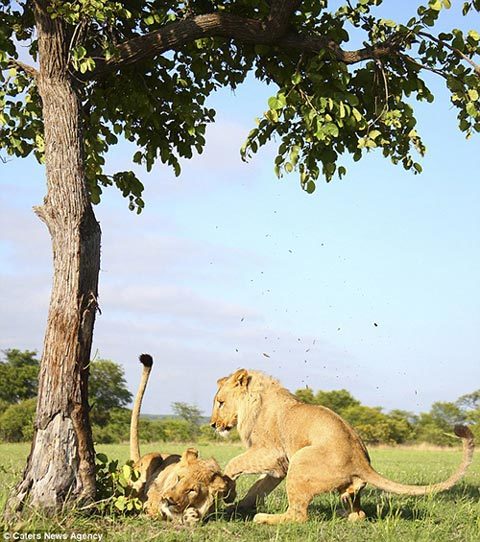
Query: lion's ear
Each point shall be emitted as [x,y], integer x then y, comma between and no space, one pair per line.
[222,381]
[230,493]
[241,377]
[224,487]
[189,455]
[211,463]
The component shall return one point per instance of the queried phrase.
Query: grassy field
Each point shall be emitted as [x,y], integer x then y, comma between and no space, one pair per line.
[451,516]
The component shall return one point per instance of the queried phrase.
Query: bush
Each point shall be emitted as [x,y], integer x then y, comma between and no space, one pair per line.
[375,427]
[117,429]
[16,422]
[3,406]
[176,430]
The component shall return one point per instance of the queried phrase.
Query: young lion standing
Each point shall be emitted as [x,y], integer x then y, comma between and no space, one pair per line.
[309,445]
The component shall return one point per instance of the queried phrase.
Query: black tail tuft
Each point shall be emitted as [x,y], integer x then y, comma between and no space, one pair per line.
[463,431]
[146,360]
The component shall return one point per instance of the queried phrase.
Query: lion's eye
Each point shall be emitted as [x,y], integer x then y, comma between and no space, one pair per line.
[220,404]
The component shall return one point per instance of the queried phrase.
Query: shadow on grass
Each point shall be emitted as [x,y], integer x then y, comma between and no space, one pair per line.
[377,505]
[463,491]
[374,512]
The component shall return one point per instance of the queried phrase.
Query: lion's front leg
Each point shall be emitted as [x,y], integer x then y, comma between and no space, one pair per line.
[256,494]
[258,461]
[272,464]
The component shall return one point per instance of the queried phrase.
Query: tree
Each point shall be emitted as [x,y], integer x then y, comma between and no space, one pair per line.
[336,400]
[143,70]
[191,414]
[470,407]
[108,390]
[469,401]
[306,395]
[18,375]
[446,414]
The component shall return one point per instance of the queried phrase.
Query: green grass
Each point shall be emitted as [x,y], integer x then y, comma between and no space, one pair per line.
[451,516]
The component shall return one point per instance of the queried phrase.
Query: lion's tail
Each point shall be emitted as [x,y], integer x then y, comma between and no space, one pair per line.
[462,431]
[147,361]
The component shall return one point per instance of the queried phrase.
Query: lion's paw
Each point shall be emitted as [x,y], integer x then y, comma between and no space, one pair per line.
[261,518]
[357,516]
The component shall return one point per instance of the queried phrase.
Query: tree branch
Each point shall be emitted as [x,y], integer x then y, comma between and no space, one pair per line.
[315,44]
[174,35]
[29,70]
[272,31]
[422,66]
[279,18]
[463,56]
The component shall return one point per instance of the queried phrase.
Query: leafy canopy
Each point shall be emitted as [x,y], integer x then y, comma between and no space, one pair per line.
[143,71]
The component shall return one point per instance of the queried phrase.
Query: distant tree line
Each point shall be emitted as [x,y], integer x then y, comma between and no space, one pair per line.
[110,418]
[108,398]
[400,426]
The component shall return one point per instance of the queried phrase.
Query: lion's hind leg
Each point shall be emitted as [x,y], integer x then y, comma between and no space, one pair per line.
[351,501]
[309,474]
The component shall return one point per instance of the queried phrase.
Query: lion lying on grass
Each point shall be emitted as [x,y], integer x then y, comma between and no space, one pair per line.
[181,488]
[309,445]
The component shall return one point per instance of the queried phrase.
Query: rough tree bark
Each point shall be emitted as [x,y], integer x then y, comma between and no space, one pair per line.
[61,461]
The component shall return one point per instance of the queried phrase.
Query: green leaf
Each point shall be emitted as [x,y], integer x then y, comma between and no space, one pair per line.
[474,35]
[389,23]
[356,113]
[435,5]
[101,458]
[473,94]
[471,109]
[120,503]
[296,78]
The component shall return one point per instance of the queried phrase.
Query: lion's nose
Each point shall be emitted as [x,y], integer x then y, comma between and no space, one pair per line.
[170,501]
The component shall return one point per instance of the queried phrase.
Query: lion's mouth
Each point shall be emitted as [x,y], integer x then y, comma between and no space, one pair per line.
[224,431]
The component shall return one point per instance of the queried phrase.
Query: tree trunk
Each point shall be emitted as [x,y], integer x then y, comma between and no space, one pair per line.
[61,464]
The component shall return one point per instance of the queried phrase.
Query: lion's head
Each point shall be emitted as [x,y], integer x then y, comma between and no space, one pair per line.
[193,487]
[228,400]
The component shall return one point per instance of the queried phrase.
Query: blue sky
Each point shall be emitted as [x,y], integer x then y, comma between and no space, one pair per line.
[229,267]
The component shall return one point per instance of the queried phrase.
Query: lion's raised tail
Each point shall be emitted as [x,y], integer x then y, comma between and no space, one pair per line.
[147,361]
[462,431]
